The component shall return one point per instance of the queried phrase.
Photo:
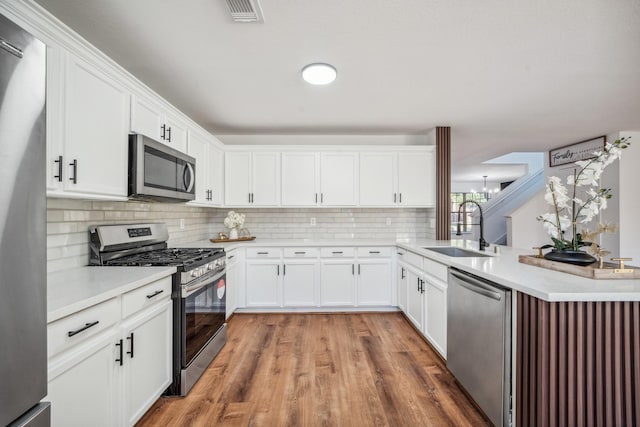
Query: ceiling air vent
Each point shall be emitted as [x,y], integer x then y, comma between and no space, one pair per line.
[245,10]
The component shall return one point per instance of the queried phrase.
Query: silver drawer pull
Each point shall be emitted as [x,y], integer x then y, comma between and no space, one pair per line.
[300,253]
[263,253]
[84,328]
[155,293]
[337,252]
[374,252]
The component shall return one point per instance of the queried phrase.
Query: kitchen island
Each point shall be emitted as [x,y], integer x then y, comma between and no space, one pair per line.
[576,341]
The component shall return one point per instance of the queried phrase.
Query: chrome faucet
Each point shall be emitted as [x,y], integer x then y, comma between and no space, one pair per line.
[482,243]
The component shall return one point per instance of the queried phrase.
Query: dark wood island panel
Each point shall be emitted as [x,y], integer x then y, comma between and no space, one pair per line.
[578,363]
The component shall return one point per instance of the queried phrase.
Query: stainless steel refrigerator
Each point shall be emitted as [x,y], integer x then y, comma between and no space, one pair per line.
[23,303]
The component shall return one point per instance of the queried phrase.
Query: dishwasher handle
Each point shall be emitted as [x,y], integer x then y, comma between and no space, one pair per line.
[476,285]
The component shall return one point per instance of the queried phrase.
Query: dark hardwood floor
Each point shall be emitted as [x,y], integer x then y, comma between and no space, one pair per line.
[368,369]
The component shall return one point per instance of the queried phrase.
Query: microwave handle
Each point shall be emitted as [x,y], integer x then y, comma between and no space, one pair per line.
[190,180]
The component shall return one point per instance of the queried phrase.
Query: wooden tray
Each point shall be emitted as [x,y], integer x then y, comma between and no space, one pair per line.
[239,239]
[590,271]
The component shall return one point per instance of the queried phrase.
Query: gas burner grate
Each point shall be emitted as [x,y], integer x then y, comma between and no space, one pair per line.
[167,257]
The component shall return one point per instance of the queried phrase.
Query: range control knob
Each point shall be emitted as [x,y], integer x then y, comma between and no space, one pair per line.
[194,273]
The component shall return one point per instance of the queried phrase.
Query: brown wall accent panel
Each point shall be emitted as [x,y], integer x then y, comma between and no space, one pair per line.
[443,182]
[578,363]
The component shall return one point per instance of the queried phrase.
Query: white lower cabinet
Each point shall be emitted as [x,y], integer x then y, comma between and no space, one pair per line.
[263,283]
[415,298]
[299,282]
[436,313]
[401,283]
[107,372]
[337,283]
[374,282]
[83,389]
[233,282]
[147,348]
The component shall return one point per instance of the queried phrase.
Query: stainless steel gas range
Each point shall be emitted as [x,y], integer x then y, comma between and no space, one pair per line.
[199,291]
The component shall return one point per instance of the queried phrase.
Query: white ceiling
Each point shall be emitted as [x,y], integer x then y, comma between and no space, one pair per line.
[517,75]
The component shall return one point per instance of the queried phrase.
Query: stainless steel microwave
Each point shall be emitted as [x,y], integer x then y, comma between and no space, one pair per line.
[158,172]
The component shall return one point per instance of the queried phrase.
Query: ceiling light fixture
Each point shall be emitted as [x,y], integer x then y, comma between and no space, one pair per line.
[319,74]
[484,186]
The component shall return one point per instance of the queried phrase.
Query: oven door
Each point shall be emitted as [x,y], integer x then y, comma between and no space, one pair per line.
[203,314]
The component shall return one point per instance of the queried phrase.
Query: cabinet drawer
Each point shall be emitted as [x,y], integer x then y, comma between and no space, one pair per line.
[369,252]
[263,253]
[338,252]
[145,296]
[301,252]
[77,327]
[437,270]
[412,259]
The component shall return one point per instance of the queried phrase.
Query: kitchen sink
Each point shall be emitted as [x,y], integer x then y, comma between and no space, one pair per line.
[455,252]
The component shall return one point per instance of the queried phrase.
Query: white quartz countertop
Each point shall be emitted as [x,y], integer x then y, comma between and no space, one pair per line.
[503,268]
[264,243]
[73,290]
[549,285]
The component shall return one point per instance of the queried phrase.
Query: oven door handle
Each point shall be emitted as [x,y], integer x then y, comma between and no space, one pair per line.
[189,290]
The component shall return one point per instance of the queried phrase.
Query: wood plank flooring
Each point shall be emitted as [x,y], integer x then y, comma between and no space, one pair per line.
[363,369]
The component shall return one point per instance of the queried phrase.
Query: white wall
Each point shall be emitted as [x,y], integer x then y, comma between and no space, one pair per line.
[523,230]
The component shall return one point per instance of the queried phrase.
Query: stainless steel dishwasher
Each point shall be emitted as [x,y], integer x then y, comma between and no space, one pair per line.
[479,342]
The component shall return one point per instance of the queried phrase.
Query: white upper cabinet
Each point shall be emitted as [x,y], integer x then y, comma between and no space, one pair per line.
[96,116]
[252,179]
[150,119]
[208,169]
[416,179]
[403,179]
[237,178]
[300,178]
[338,179]
[319,179]
[265,179]
[378,179]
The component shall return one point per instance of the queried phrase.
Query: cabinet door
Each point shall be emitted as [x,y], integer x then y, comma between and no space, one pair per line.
[215,167]
[300,174]
[148,356]
[416,179]
[176,133]
[56,167]
[263,284]
[83,390]
[299,283]
[378,179]
[237,174]
[415,299]
[146,118]
[232,286]
[199,149]
[337,283]
[374,282]
[338,182]
[436,314]
[97,125]
[265,189]
[401,280]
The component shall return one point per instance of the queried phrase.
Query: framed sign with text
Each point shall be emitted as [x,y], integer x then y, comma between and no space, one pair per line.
[578,151]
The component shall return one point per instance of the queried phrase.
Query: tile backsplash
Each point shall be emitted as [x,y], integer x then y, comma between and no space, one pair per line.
[68,221]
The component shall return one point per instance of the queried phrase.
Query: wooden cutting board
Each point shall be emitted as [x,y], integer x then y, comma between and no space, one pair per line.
[590,271]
